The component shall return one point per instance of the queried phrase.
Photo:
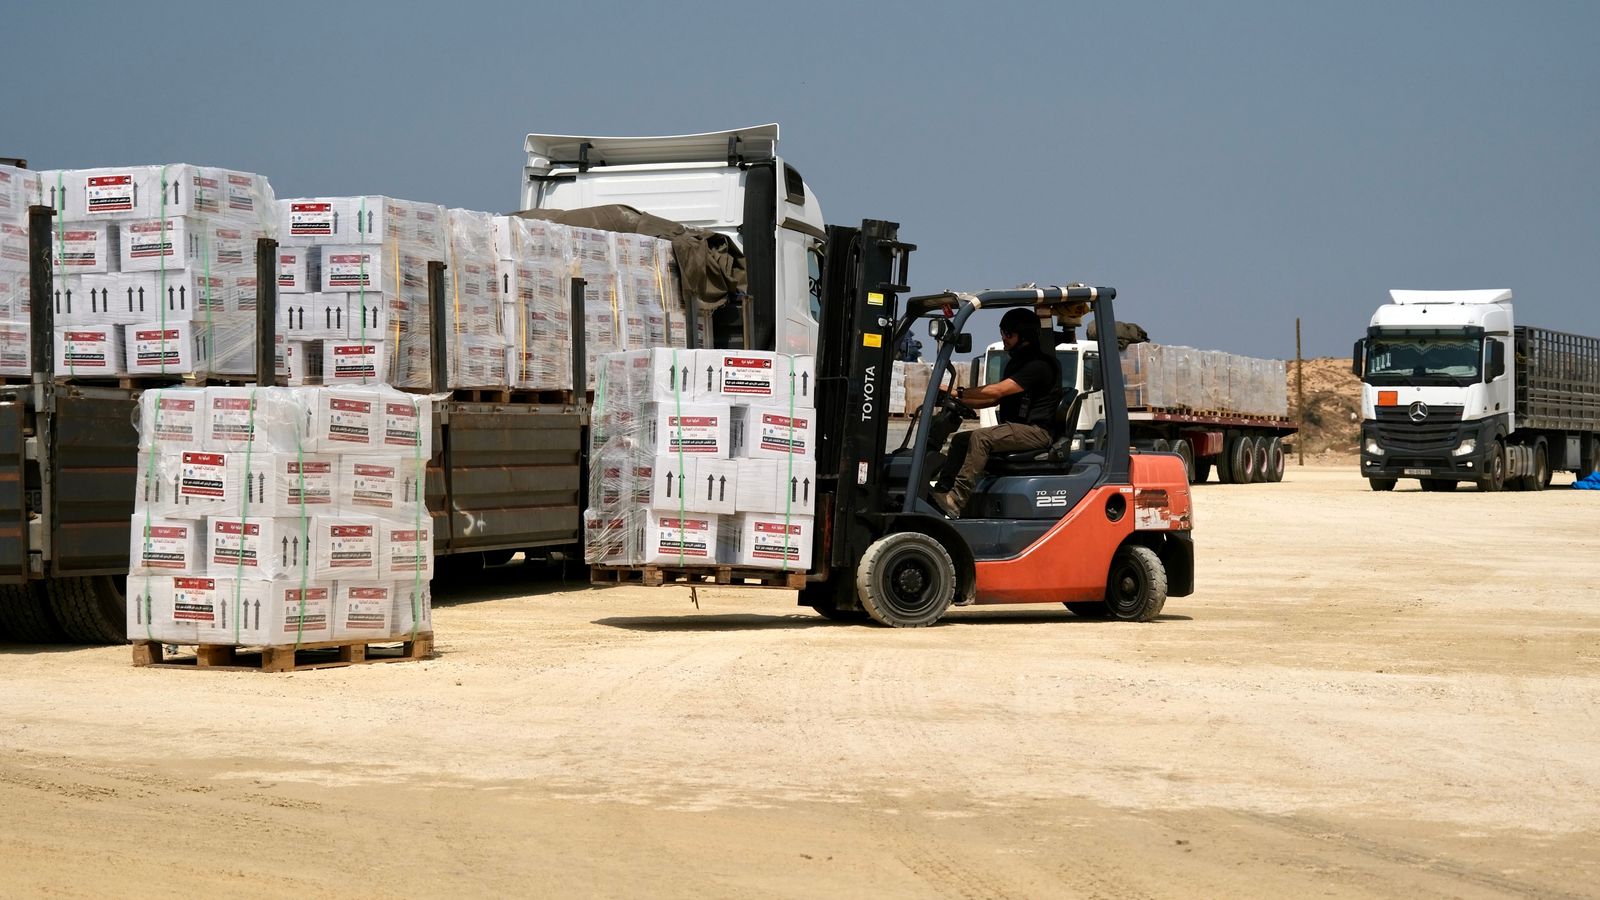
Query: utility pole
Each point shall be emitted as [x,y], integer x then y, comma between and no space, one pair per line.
[1300,393]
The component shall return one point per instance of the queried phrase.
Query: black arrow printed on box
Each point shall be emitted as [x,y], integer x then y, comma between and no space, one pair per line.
[722,493]
[709,370]
[807,497]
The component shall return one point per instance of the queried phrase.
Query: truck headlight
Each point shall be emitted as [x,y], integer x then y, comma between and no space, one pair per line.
[1466,448]
[1373,448]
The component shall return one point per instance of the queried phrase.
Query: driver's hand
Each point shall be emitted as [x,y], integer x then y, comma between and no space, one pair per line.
[960,392]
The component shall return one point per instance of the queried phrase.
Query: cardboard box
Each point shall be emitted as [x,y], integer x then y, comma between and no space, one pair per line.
[666,538]
[755,377]
[16,348]
[366,316]
[161,546]
[312,316]
[659,374]
[363,610]
[408,427]
[607,538]
[78,248]
[207,483]
[288,484]
[347,268]
[347,420]
[299,270]
[184,242]
[689,484]
[174,610]
[777,486]
[767,432]
[155,486]
[244,611]
[413,609]
[89,351]
[385,486]
[257,547]
[307,221]
[260,418]
[353,362]
[407,549]
[763,540]
[171,350]
[346,547]
[170,419]
[297,615]
[702,429]
[129,298]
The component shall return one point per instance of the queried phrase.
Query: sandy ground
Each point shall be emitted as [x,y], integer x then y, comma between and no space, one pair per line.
[1370,695]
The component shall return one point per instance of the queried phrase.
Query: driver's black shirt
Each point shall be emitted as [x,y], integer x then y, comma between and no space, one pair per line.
[1039,376]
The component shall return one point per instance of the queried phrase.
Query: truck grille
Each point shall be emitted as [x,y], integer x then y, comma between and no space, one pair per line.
[1439,430]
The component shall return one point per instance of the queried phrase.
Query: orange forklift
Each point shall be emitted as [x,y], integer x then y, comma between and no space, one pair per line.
[1088,521]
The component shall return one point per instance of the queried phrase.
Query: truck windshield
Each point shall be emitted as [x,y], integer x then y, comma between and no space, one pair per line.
[1402,359]
[995,364]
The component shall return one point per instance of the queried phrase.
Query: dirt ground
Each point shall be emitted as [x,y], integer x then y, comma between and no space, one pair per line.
[1370,695]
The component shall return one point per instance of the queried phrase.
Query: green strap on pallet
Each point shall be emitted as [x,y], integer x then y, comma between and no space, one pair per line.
[244,517]
[677,397]
[420,472]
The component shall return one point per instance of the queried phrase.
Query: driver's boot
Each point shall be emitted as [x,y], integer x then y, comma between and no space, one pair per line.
[946,503]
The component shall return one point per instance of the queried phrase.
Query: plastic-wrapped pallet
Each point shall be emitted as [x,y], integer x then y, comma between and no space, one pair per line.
[535,274]
[154,268]
[477,341]
[370,320]
[19,188]
[702,457]
[280,515]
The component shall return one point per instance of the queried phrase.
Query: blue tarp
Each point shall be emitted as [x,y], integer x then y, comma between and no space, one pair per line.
[1589,483]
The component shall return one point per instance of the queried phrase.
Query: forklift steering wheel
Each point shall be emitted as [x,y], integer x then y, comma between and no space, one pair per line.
[950,401]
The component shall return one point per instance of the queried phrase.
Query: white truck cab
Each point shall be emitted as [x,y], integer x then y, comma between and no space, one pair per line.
[1080,365]
[731,182]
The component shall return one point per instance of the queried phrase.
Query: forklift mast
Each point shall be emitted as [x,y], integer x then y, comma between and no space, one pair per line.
[864,272]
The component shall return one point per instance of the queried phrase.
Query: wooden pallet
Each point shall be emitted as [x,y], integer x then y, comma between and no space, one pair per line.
[320,655]
[656,576]
[519,396]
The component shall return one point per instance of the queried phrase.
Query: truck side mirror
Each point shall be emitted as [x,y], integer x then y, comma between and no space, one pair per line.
[1497,359]
[1358,358]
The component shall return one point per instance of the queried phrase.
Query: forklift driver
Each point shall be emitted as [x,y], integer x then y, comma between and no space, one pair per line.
[1026,396]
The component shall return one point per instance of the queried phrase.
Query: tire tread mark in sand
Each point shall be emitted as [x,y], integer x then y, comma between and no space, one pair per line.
[1328,834]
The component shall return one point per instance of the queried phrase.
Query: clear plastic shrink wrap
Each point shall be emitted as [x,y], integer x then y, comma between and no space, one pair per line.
[702,457]
[1155,375]
[19,189]
[280,515]
[154,268]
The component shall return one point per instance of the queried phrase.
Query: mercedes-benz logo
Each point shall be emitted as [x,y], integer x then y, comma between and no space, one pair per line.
[1419,411]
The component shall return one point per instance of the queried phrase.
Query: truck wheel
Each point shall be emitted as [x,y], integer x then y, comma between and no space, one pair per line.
[1382,484]
[1090,609]
[1242,459]
[1224,461]
[1263,443]
[1202,470]
[1276,459]
[1540,479]
[90,610]
[906,580]
[1439,485]
[25,615]
[1185,453]
[1495,479]
[1136,589]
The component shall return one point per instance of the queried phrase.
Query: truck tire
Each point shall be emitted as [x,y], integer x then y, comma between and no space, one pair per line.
[1185,453]
[1276,459]
[1136,587]
[1202,470]
[1382,484]
[1242,459]
[1262,442]
[1540,479]
[25,615]
[906,580]
[90,610]
[1439,485]
[1495,479]
[1224,461]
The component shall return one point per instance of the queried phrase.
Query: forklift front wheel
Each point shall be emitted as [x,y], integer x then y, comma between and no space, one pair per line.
[906,580]
[1137,586]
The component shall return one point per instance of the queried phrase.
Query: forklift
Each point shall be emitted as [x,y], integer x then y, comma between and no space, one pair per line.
[1087,522]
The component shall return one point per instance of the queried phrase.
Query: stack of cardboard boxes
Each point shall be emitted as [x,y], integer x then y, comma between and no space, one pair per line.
[353,286]
[19,188]
[154,267]
[274,516]
[702,457]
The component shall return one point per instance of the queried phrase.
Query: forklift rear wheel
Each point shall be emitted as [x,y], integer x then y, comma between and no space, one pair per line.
[1089,609]
[906,580]
[1137,587]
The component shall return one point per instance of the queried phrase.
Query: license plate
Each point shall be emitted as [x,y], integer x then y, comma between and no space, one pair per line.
[1419,472]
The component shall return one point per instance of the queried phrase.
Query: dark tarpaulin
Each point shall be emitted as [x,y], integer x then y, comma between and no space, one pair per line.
[1128,333]
[710,265]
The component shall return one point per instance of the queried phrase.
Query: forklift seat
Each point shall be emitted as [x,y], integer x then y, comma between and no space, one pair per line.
[1053,457]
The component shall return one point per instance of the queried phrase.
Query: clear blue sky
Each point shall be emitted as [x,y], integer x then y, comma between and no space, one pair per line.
[1226,166]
